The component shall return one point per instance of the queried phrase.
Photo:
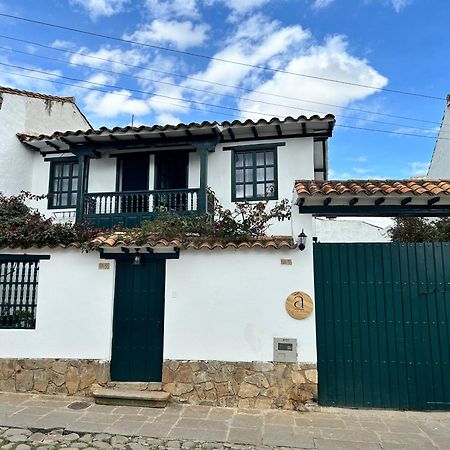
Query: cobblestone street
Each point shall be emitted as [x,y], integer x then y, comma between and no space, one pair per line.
[50,422]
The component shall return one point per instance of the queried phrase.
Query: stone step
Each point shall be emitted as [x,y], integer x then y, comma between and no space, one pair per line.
[136,385]
[149,399]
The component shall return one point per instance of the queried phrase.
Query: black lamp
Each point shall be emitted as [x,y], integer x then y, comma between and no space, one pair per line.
[302,240]
[137,258]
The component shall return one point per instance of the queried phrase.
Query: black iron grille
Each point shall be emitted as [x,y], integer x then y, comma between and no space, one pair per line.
[18,293]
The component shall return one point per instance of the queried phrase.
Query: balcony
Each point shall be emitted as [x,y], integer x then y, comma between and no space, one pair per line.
[130,208]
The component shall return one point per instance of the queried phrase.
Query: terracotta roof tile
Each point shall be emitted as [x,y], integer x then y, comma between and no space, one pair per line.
[417,187]
[181,126]
[121,239]
[8,90]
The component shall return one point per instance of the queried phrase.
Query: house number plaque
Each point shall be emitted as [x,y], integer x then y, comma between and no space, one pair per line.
[299,305]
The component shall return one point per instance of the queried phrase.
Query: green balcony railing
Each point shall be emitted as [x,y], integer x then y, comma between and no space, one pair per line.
[130,208]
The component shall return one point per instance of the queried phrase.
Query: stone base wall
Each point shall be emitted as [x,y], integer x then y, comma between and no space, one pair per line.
[53,376]
[215,383]
[241,384]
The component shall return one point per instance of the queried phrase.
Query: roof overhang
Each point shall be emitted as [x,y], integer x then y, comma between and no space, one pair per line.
[385,198]
[181,135]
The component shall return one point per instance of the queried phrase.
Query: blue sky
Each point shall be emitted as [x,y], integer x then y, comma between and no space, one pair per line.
[394,44]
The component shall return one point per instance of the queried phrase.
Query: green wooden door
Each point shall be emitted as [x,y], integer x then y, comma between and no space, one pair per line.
[382,318]
[138,324]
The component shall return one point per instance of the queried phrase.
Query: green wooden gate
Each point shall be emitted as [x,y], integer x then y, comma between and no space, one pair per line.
[382,317]
[138,324]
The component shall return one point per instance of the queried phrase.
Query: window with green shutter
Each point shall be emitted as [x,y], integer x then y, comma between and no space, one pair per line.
[63,184]
[254,174]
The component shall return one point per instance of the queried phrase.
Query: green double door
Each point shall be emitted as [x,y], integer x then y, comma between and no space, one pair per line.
[138,323]
[382,319]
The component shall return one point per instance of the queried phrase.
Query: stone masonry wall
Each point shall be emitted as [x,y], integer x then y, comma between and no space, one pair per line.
[53,376]
[241,384]
[215,383]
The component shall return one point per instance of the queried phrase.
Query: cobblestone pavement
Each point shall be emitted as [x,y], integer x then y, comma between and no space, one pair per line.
[49,423]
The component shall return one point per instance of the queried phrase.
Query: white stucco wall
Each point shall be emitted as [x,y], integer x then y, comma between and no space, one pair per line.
[74,309]
[295,161]
[222,304]
[349,230]
[21,114]
[440,162]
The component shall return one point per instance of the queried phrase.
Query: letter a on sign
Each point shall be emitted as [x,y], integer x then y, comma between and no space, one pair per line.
[299,305]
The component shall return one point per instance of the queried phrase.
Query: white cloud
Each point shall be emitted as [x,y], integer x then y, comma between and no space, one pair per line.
[256,41]
[418,169]
[181,35]
[61,43]
[240,6]
[20,79]
[174,8]
[98,8]
[412,130]
[329,60]
[166,118]
[319,4]
[113,58]
[398,5]
[358,159]
[114,103]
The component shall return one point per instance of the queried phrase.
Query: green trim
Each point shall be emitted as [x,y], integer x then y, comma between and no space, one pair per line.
[254,166]
[131,255]
[253,147]
[15,257]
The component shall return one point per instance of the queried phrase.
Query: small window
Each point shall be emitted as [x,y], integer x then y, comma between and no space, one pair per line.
[255,175]
[18,291]
[63,184]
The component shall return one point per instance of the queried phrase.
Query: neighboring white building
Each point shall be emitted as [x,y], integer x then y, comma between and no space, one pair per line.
[30,113]
[440,162]
[349,230]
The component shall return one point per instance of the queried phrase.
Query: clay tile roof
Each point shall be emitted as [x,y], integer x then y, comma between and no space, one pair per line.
[8,90]
[417,187]
[326,120]
[118,239]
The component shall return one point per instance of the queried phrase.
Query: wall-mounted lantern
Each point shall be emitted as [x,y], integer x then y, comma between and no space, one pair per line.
[302,240]
[137,258]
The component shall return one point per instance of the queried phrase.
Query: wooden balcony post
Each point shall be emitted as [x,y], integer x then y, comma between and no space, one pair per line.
[83,167]
[203,149]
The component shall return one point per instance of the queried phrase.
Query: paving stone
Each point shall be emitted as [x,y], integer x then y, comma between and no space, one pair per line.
[353,436]
[79,444]
[135,446]
[155,430]
[330,444]
[101,437]
[86,438]
[280,435]
[115,440]
[8,446]
[70,437]
[16,431]
[23,447]
[246,421]
[405,439]
[17,438]
[245,436]
[102,445]
[36,437]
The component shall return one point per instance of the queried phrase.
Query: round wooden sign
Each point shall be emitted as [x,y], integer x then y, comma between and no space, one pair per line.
[299,305]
